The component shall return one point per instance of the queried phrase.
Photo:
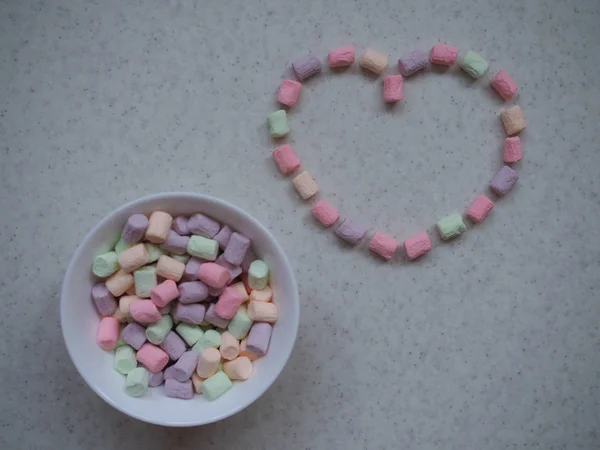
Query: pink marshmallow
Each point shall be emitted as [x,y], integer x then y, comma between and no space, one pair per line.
[417,245]
[289,91]
[213,275]
[442,54]
[286,159]
[512,149]
[164,293]
[479,209]
[392,88]
[504,85]
[107,334]
[325,213]
[383,245]
[144,311]
[341,57]
[229,302]
[152,357]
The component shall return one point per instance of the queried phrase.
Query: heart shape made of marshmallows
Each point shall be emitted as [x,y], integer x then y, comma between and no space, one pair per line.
[372,61]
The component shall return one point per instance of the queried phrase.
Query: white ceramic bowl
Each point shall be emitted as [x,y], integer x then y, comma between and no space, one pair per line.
[79,318]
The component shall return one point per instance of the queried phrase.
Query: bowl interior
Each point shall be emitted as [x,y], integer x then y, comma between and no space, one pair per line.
[79,318]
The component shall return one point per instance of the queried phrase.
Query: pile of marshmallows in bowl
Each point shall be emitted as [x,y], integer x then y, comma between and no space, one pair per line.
[184,302]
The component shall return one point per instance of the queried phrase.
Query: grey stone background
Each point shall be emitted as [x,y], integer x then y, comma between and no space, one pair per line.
[489,342]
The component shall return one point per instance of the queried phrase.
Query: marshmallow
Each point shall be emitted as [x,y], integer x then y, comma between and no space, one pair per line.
[164,293]
[156,379]
[289,91]
[145,280]
[204,226]
[504,85]
[228,303]
[208,362]
[503,181]
[192,292]
[175,243]
[244,352]
[230,346]
[192,313]
[250,256]
[190,333]
[236,248]
[169,268]
[103,300]
[125,360]
[185,366]
[413,62]
[259,338]
[125,303]
[152,358]
[392,88]
[306,67]
[212,318]
[173,345]
[210,339]
[240,323]
[341,57]
[197,383]
[105,264]
[513,120]
[234,270]
[215,386]
[451,226]
[512,149]
[223,236]
[383,245]
[145,311]
[261,295]
[176,389]
[157,332]
[373,61]
[325,213]
[107,334]
[351,231]
[159,225]
[213,275]
[262,311]
[443,55]
[180,225]
[238,369]
[473,64]
[258,274]
[202,247]
[134,335]
[136,383]
[286,159]
[479,209]
[121,246]
[133,258]
[153,251]
[417,245]
[134,229]
[190,273]
[305,185]
[278,123]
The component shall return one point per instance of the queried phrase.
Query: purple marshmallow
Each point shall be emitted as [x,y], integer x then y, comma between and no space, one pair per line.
[185,366]
[223,236]
[192,292]
[215,292]
[170,372]
[413,62]
[212,318]
[156,379]
[193,313]
[173,346]
[202,225]
[180,225]
[234,270]
[351,231]
[503,181]
[191,269]
[175,389]
[237,248]
[259,338]
[248,259]
[134,228]
[103,299]
[305,67]
[134,335]
[175,243]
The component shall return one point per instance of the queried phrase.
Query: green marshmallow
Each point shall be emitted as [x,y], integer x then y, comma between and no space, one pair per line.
[278,123]
[145,280]
[108,246]
[473,64]
[105,265]
[189,333]
[154,252]
[451,226]
[121,246]
[136,383]
[181,258]
[210,338]
[157,332]
[125,360]
[240,324]
[258,274]
[202,247]
[215,386]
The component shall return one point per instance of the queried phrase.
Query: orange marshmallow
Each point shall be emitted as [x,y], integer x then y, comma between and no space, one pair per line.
[197,382]
[261,295]
[152,357]
[107,334]
[305,184]
[119,282]
[262,312]
[230,346]
[208,363]
[159,225]
[125,303]
[239,286]
[238,369]
[145,311]
[213,275]
[133,258]
[169,268]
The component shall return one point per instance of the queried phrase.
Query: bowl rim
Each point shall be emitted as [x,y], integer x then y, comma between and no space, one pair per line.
[295,304]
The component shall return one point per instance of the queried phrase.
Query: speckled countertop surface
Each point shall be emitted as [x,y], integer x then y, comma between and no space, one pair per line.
[490,342]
